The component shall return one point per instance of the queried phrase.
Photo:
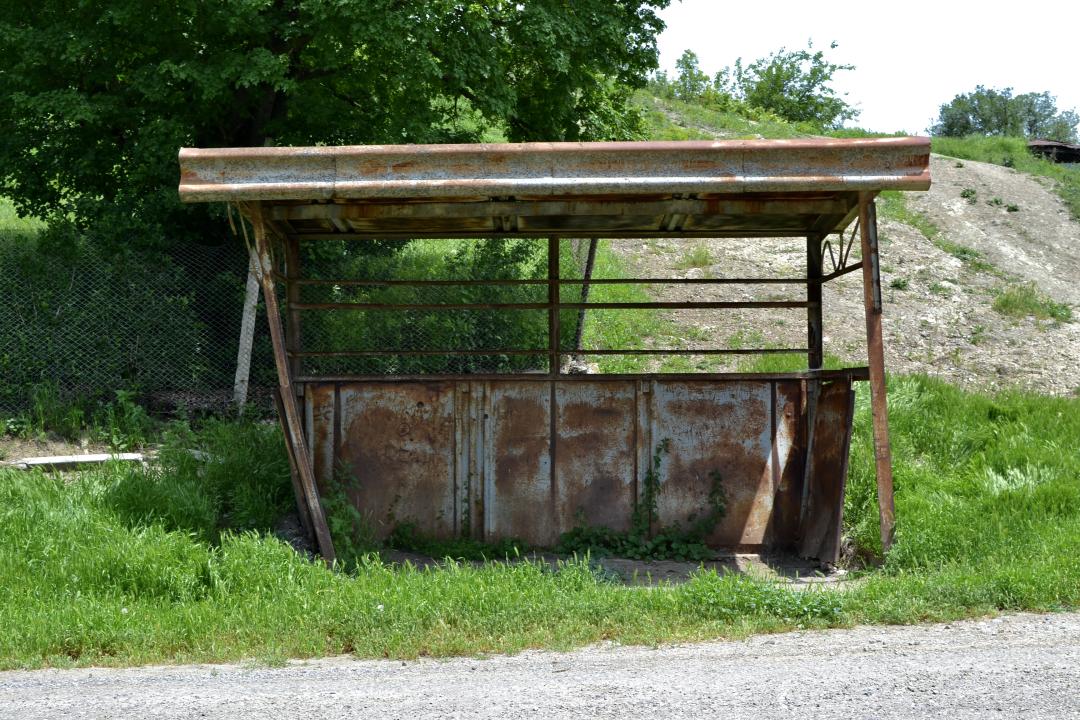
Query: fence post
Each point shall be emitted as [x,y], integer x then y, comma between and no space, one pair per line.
[247,335]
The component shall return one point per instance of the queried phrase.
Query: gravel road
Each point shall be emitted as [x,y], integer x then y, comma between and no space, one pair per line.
[1021,666]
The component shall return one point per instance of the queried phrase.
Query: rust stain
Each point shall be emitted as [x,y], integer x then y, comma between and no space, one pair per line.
[595,462]
[398,451]
[521,470]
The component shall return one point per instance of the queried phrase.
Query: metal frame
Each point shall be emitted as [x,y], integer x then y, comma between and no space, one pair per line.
[811,189]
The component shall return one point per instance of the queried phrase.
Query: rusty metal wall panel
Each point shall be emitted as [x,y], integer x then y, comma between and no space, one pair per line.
[790,414]
[827,474]
[320,424]
[723,428]
[398,444]
[595,454]
[519,494]
[475,457]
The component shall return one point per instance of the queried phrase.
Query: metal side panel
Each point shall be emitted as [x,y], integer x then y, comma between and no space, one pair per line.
[596,429]
[321,422]
[827,474]
[488,459]
[519,492]
[398,443]
[725,428]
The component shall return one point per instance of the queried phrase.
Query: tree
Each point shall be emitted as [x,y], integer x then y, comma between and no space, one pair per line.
[794,84]
[691,82]
[988,111]
[96,97]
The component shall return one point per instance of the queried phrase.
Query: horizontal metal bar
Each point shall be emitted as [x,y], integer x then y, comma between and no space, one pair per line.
[411,353]
[541,233]
[857,373]
[729,206]
[561,281]
[419,306]
[842,271]
[689,305]
[544,351]
[714,351]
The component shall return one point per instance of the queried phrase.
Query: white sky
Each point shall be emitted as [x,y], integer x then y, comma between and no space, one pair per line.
[909,58]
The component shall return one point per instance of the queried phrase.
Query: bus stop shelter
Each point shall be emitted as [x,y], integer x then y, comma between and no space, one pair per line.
[536,450]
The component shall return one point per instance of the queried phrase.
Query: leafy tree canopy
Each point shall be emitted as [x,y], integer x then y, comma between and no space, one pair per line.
[988,111]
[97,96]
[794,84]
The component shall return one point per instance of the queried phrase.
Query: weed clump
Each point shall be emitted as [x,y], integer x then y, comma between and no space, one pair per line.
[1027,300]
[640,542]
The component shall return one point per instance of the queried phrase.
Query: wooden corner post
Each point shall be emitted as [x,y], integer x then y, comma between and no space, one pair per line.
[876,355]
[290,420]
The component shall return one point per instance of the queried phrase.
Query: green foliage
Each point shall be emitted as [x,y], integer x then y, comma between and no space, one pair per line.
[690,83]
[1027,300]
[899,283]
[970,195]
[221,476]
[668,118]
[988,512]
[407,536]
[497,259]
[793,84]
[696,257]
[949,447]
[987,111]
[731,597]
[350,530]
[119,422]
[95,99]
[641,541]
[1012,152]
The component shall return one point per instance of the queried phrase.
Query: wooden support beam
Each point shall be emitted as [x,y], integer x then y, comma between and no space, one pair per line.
[291,425]
[876,356]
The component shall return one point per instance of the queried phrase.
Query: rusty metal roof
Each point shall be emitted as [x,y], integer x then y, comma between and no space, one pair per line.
[736,188]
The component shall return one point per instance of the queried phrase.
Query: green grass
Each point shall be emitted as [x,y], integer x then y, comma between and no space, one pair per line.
[1012,152]
[11,225]
[1027,300]
[620,329]
[696,257]
[671,119]
[988,512]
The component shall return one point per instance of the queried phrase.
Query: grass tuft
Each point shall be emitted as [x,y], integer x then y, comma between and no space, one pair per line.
[1027,300]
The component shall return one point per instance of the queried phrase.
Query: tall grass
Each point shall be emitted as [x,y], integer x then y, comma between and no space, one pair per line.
[123,566]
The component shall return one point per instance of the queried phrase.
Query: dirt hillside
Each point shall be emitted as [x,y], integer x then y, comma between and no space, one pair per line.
[990,228]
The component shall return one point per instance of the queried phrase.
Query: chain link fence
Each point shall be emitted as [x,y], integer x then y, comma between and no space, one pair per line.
[89,323]
[166,326]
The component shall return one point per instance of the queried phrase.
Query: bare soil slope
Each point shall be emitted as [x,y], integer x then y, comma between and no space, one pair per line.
[938,318]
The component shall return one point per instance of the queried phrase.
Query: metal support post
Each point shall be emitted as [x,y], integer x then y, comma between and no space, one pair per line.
[876,356]
[815,358]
